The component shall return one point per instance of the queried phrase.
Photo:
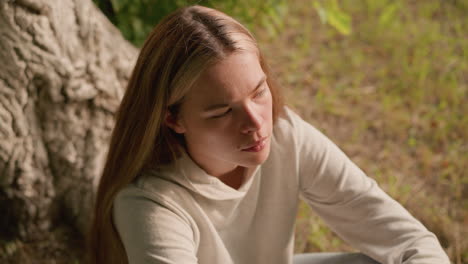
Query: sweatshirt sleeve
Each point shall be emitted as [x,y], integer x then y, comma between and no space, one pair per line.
[150,232]
[354,206]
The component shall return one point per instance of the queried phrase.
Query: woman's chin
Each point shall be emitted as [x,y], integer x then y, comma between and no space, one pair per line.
[253,159]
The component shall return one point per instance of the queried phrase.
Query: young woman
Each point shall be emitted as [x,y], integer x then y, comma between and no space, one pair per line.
[206,165]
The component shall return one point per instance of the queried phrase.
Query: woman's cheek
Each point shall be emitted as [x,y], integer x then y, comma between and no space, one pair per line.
[216,124]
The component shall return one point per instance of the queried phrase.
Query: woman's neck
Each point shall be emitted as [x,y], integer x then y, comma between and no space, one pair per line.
[233,179]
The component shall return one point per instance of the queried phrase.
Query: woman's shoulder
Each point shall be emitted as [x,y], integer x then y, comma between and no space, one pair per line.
[147,204]
[287,124]
[293,125]
[284,139]
[294,134]
[153,189]
[288,119]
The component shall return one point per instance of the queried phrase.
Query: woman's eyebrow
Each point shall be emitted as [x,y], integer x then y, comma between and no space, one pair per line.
[222,105]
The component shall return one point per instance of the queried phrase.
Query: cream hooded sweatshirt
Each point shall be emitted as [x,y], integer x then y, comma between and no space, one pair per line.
[181,215]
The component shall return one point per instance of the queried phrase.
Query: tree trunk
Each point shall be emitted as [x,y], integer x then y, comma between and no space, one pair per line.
[63,71]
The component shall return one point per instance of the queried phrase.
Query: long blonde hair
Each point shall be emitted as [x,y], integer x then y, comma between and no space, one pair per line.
[173,56]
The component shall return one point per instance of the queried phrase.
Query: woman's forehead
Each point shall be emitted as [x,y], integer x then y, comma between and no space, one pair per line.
[238,71]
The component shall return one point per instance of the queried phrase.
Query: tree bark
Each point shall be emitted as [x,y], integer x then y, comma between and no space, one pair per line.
[63,71]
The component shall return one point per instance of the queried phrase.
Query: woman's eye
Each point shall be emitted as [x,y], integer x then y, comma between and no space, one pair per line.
[223,114]
[262,92]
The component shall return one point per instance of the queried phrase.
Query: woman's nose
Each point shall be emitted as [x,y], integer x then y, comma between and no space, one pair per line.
[252,121]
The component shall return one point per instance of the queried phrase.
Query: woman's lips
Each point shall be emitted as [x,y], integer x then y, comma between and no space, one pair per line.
[258,146]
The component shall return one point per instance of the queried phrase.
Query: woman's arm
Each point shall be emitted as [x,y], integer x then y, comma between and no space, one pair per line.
[151,233]
[355,207]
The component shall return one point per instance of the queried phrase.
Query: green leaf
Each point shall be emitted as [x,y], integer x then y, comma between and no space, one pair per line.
[321,12]
[272,32]
[338,19]
[388,13]
[331,14]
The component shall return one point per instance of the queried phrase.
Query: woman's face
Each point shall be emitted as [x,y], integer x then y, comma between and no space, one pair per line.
[227,111]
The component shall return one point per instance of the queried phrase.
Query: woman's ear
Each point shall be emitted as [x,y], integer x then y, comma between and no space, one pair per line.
[174,123]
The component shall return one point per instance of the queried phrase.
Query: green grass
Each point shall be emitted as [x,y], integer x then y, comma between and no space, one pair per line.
[393,95]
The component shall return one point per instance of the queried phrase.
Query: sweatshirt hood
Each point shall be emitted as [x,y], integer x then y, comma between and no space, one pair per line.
[184,171]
